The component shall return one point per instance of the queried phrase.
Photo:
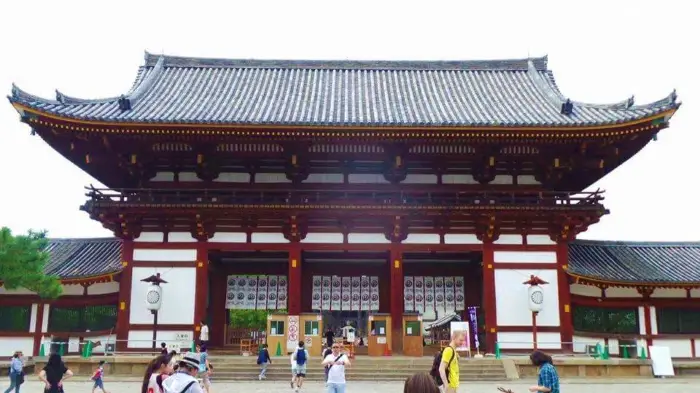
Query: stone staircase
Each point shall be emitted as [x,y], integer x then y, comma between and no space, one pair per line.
[364,368]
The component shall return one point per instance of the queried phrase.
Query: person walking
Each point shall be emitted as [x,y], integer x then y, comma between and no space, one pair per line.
[203,335]
[449,364]
[205,368]
[184,381]
[327,352]
[156,372]
[263,361]
[547,378]
[420,383]
[301,356]
[329,337]
[16,373]
[336,362]
[98,376]
[54,374]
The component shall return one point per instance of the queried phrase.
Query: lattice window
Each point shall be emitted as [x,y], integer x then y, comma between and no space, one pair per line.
[80,319]
[606,320]
[15,318]
[678,320]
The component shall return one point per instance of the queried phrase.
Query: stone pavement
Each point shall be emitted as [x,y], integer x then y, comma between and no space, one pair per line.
[582,385]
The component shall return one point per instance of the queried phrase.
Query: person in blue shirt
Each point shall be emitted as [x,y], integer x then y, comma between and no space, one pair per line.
[547,379]
[263,361]
[16,369]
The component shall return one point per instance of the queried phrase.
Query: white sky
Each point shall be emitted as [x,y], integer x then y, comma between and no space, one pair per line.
[600,51]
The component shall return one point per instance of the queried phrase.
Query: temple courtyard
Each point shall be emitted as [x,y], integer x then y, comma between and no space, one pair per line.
[638,385]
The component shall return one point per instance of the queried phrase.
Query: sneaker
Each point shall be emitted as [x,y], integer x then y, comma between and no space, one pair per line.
[291,384]
[259,377]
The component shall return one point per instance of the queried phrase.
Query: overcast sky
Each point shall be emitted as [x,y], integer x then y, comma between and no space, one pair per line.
[600,51]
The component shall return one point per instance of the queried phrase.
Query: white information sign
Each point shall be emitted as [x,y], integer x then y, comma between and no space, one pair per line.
[464,327]
[292,332]
[661,362]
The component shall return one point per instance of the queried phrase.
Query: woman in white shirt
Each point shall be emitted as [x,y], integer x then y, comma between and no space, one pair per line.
[336,362]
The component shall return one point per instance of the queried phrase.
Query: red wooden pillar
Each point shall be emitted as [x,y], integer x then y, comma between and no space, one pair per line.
[38,334]
[294,296]
[202,286]
[489,297]
[217,310]
[564,291]
[396,287]
[122,330]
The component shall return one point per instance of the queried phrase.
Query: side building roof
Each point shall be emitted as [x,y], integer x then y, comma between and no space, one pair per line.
[636,263]
[475,93]
[84,259]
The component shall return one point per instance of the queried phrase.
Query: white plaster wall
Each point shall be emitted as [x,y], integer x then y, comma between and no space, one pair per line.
[103,288]
[18,291]
[669,292]
[325,238]
[189,177]
[420,179]
[641,313]
[178,296]
[622,292]
[457,238]
[156,237]
[543,240]
[502,179]
[271,178]
[548,340]
[163,255]
[580,343]
[367,238]
[228,237]
[458,179]
[525,257]
[515,340]
[233,177]
[367,178]
[32,318]
[585,290]
[45,319]
[680,347]
[509,239]
[697,346]
[613,346]
[695,293]
[72,290]
[527,180]
[143,339]
[654,322]
[325,178]
[268,238]
[181,237]
[512,300]
[422,238]
[8,346]
[163,176]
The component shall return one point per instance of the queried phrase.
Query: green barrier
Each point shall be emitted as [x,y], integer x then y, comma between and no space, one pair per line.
[279,350]
[61,349]
[606,353]
[625,352]
[598,351]
[643,354]
[498,351]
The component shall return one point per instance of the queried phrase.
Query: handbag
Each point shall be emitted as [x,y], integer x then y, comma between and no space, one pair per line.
[19,379]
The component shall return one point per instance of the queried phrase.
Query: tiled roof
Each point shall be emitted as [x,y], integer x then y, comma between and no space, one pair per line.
[636,262]
[344,93]
[78,258]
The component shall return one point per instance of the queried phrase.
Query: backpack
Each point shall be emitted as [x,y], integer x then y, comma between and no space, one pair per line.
[435,370]
[301,356]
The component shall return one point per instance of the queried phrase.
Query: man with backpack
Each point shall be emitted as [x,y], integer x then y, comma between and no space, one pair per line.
[300,358]
[445,368]
[336,363]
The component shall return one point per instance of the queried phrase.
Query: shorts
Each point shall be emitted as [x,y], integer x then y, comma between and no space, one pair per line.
[99,384]
[204,376]
[299,370]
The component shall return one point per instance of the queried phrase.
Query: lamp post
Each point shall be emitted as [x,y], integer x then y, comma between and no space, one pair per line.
[154,299]
[535,296]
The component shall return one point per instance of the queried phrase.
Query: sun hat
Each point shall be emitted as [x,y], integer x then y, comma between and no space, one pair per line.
[191,359]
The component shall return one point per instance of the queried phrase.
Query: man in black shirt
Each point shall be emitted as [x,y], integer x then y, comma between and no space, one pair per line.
[329,337]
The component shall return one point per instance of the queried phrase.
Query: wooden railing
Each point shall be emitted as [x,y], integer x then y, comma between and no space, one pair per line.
[274,196]
[235,335]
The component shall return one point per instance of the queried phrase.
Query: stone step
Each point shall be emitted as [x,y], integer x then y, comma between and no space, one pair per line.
[320,376]
[357,367]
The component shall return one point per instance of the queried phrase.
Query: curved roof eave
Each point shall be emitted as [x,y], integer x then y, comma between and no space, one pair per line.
[632,284]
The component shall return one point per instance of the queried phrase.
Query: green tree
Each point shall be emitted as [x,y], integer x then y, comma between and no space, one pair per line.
[22,262]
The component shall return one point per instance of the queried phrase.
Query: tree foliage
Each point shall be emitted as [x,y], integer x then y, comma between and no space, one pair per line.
[22,262]
[250,319]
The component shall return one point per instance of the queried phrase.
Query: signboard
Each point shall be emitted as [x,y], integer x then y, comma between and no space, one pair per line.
[308,342]
[464,327]
[661,363]
[292,332]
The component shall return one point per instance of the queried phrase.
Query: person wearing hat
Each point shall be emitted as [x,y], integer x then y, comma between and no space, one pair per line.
[184,381]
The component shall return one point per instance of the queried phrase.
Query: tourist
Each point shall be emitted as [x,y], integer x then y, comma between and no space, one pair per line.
[205,367]
[300,355]
[336,362]
[420,383]
[16,373]
[97,377]
[329,337]
[203,335]
[449,363]
[156,372]
[547,379]
[183,381]
[263,361]
[327,352]
[163,349]
[54,374]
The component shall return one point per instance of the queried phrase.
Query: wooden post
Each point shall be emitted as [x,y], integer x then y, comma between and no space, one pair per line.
[489,297]
[155,330]
[294,296]
[564,292]
[534,329]
[202,286]
[396,302]
[123,312]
